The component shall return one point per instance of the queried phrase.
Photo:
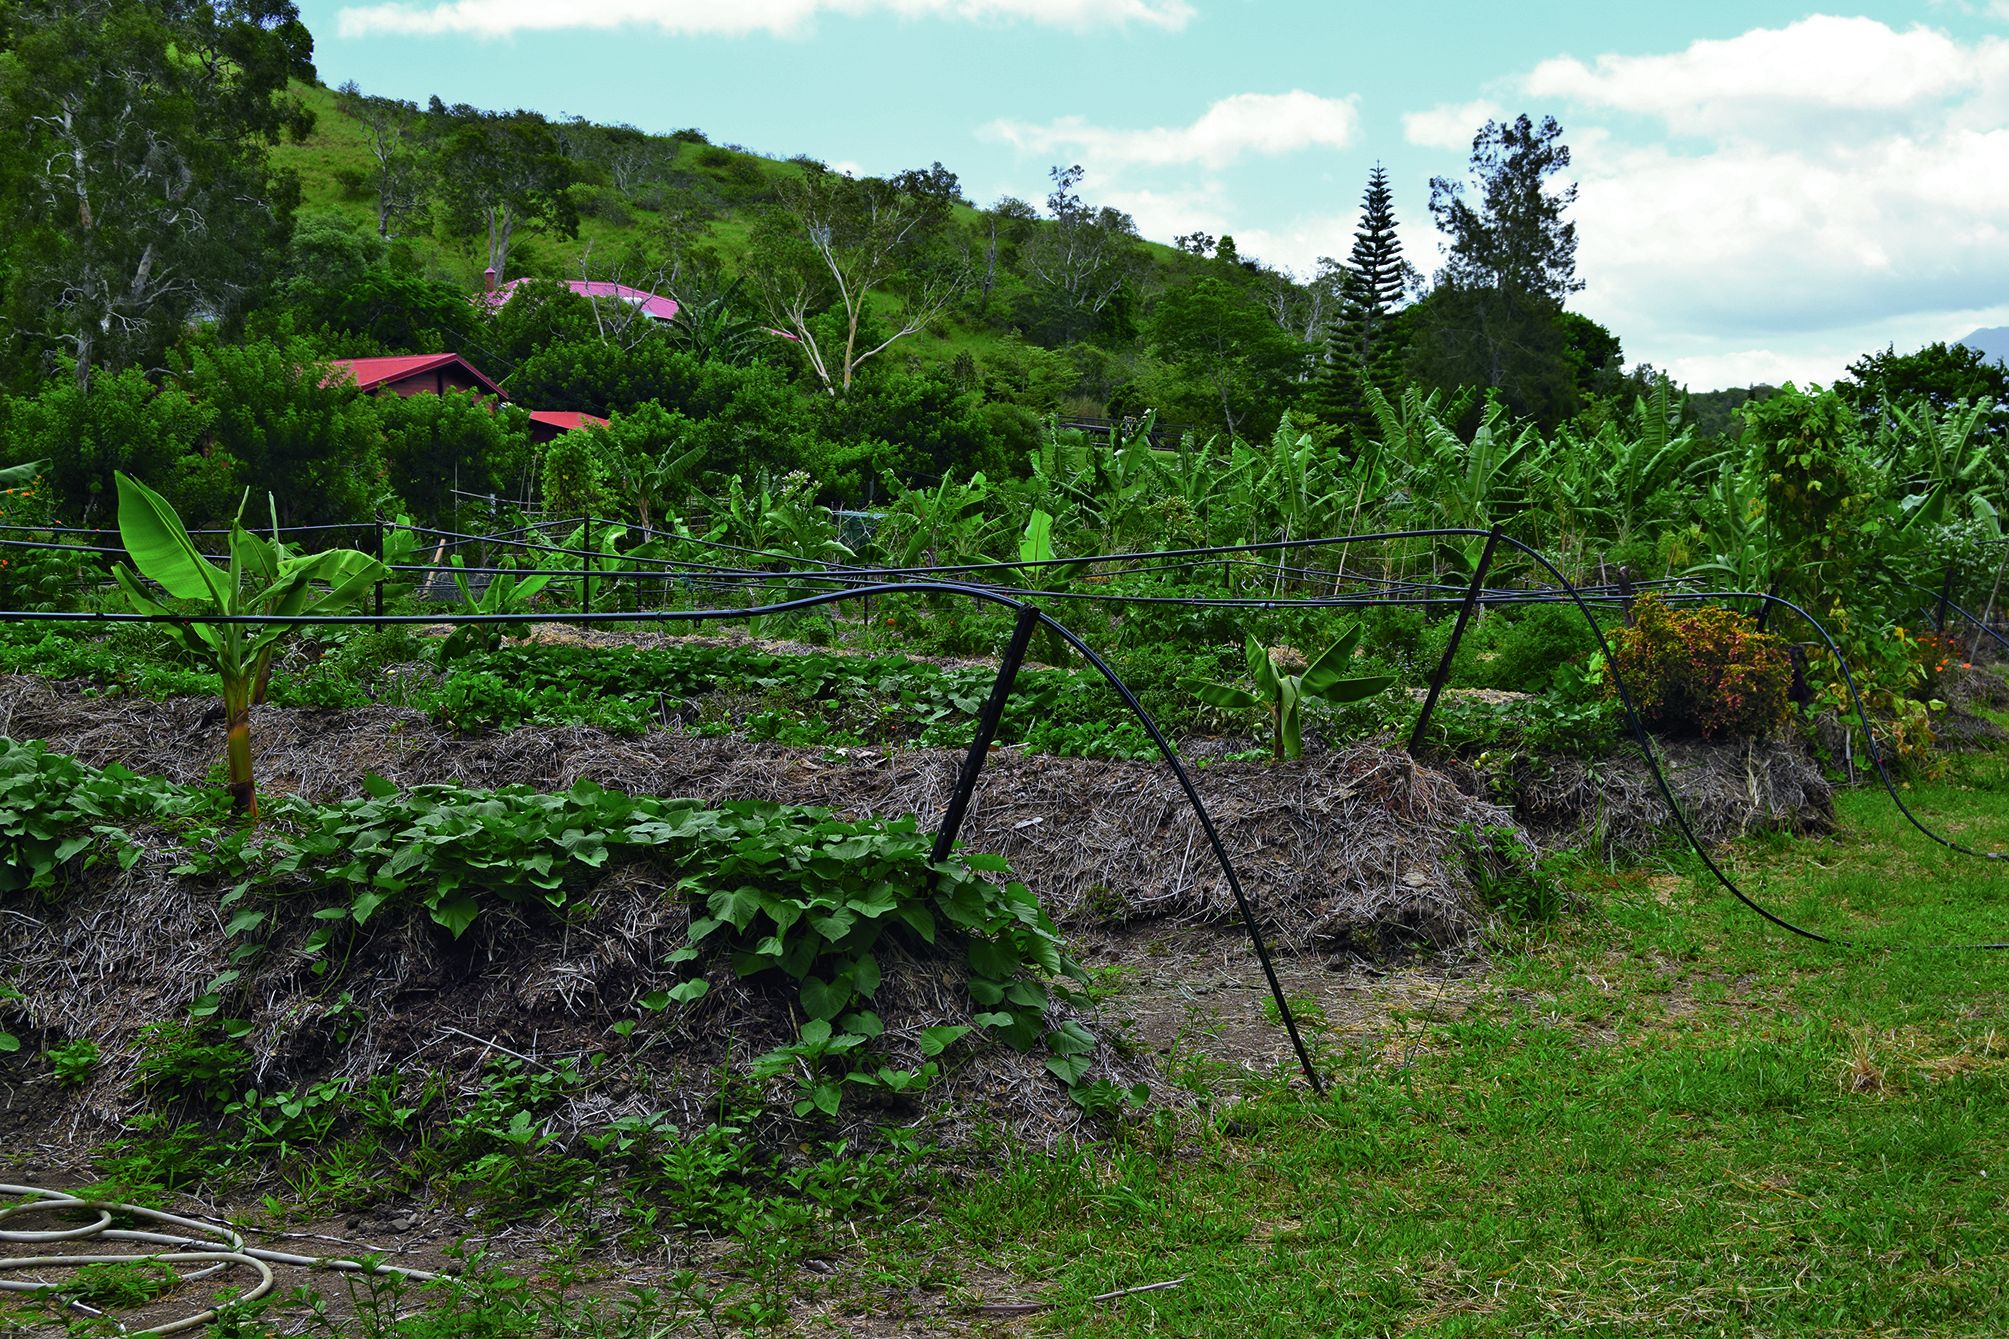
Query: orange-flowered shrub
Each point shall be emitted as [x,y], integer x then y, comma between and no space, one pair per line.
[1702,671]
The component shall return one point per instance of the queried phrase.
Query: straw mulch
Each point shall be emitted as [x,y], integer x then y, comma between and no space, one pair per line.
[1348,845]
[1355,850]
[1726,790]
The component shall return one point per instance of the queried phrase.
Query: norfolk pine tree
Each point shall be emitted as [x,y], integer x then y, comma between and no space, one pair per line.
[1364,346]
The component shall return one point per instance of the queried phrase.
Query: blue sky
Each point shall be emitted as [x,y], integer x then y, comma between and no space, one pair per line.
[1766,190]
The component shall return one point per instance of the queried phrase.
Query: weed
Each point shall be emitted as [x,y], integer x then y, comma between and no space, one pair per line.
[73,1061]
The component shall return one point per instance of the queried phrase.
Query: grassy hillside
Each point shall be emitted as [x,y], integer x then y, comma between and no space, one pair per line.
[718,188]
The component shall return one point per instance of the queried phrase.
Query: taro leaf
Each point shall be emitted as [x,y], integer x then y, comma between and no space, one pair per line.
[920,920]
[1068,1068]
[863,1023]
[864,975]
[824,1098]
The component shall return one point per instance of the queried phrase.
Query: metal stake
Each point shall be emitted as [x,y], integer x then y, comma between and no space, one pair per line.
[987,729]
[1451,647]
[380,559]
[586,568]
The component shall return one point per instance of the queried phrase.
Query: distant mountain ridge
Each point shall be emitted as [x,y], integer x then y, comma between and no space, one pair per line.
[1993,342]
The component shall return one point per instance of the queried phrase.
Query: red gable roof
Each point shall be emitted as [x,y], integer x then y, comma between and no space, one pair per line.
[565,420]
[653,305]
[370,373]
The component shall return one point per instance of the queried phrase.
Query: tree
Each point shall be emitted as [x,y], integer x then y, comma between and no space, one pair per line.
[1363,346]
[397,175]
[1515,242]
[1941,374]
[501,171]
[1083,260]
[835,242]
[1493,317]
[933,182]
[1216,335]
[142,195]
[1001,231]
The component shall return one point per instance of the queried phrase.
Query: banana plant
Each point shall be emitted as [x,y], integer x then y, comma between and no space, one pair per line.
[264,577]
[504,594]
[1322,680]
[20,476]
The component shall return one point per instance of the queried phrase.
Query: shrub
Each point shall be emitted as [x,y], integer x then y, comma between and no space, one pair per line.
[1702,671]
[1522,652]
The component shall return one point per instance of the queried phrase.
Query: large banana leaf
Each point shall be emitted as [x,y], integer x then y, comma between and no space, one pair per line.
[1226,696]
[20,476]
[162,550]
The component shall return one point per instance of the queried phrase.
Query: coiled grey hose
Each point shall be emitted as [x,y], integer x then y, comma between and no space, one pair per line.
[214,1246]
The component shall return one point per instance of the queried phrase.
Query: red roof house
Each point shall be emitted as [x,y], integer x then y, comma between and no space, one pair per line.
[546,424]
[438,373]
[415,374]
[652,305]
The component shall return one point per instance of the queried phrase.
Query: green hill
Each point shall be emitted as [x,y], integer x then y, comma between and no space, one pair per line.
[638,190]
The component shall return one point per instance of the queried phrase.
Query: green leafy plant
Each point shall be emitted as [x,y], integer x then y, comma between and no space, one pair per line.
[73,1061]
[54,808]
[263,578]
[9,1043]
[1508,874]
[505,593]
[1284,693]
[1702,671]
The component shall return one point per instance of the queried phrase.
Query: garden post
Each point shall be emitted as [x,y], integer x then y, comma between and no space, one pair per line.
[586,567]
[1765,605]
[1451,647]
[1625,593]
[380,559]
[1945,594]
[987,729]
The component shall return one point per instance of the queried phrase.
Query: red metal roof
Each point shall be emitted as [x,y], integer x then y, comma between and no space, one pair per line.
[370,373]
[653,305]
[565,420]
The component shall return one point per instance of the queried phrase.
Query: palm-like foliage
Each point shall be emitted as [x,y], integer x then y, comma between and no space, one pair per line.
[263,577]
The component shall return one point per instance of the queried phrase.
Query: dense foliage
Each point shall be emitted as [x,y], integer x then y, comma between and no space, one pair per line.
[1702,671]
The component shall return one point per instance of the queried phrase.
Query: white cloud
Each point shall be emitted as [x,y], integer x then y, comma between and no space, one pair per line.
[734,18]
[1234,127]
[1827,188]
[1448,127]
[1753,367]
[1819,71]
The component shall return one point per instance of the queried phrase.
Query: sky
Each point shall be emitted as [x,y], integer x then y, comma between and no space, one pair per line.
[1765,190]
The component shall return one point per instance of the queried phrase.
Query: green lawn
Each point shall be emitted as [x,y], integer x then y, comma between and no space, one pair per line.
[1661,1113]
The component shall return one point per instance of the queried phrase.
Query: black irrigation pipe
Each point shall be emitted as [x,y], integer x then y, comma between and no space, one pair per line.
[1014,600]
[1018,606]
[1965,614]
[1680,816]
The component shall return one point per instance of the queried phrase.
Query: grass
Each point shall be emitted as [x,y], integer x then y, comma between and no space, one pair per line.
[1659,1112]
